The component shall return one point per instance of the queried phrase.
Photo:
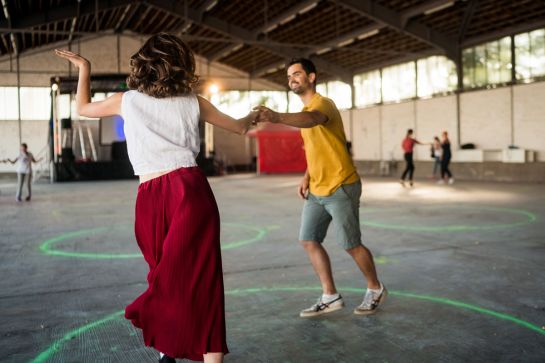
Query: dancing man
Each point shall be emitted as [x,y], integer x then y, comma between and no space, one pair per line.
[331,188]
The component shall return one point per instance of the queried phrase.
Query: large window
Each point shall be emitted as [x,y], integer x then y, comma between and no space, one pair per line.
[339,92]
[436,75]
[275,100]
[64,106]
[530,55]
[488,63]
[368,88]
[35,103]
[399,82]
[238,103]
[296,105]
[8,103]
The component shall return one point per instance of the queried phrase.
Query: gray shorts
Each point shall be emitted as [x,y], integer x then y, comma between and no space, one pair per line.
[342,207]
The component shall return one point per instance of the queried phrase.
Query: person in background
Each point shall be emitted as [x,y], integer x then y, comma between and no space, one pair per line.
[446,175]
[436,151]
[408,145]
[24,171]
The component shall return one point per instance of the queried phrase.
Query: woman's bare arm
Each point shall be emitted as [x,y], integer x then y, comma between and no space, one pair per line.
[108,107]
[211,114]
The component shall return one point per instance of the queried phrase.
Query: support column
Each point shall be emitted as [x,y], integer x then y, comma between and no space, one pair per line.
[459,90]
[19,99]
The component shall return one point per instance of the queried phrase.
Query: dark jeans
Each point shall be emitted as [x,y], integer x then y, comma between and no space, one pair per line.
[409,169]
[444,168]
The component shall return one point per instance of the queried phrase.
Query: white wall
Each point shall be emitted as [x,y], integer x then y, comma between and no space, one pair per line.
[485,118]
[529,117]
[366,134]
[396,119]
[433,116]
[491,119]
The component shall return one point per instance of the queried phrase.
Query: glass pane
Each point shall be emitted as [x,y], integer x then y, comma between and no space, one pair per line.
[481,78]
[275,100]
[233,103]
[367,87]
[468,60]
[296,105]
[538,52]
[505,59]
[492,62]
[321,88]
[63,106]
[35,103]
[530,54]
[436,74]
[8,103]
[398,82]
[523,57]
[340,93]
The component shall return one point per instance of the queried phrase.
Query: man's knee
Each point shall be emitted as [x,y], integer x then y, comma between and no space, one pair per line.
[309,245]
[355,249]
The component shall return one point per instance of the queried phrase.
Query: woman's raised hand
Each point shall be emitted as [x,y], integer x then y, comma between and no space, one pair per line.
[77,60]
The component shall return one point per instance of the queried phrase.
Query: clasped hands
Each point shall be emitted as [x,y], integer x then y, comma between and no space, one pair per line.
[264,114]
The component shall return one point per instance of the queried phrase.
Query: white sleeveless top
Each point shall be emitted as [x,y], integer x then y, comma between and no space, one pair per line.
[162,133]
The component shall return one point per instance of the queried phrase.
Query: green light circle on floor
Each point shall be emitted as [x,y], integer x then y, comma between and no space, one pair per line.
[56,346]
[528,219]
[47,246]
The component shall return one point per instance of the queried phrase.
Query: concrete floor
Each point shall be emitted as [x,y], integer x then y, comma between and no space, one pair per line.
[464,265]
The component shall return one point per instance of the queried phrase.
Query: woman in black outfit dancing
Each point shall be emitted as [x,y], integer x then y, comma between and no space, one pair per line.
[446,175]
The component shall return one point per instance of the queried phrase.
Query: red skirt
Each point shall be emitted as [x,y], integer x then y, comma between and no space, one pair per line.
[177,226]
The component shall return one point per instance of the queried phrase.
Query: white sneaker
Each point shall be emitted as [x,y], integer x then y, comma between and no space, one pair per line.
[323,308]
[371,301]
[451,181]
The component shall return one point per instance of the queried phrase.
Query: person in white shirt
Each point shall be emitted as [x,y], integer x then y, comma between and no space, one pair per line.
[24,171]
[177,222]
[437,151]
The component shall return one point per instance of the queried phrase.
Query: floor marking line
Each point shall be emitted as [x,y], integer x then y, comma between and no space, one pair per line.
[56,345]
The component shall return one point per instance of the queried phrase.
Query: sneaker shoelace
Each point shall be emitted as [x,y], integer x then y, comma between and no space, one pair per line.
[320,305]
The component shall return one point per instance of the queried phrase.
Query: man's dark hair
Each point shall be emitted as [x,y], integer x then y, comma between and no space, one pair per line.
[409,131]
[307,65]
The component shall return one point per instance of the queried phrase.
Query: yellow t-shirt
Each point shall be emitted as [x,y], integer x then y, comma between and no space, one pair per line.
[328,162]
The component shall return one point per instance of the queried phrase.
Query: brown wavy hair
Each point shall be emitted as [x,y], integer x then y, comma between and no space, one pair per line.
[163,67]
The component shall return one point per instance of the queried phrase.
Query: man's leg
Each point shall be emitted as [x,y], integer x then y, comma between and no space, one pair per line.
[364,259]
[411,167]
[404,175]
[344,208]
[322,265]
[315,221]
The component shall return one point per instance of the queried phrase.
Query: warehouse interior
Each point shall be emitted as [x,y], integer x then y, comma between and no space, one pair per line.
[463,262]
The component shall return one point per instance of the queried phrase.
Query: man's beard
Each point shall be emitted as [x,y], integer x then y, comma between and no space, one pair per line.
[299,89]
